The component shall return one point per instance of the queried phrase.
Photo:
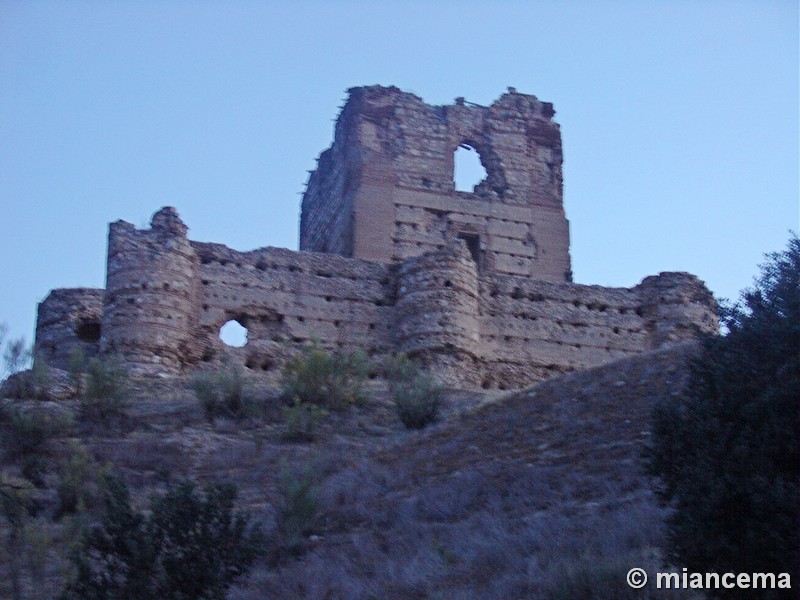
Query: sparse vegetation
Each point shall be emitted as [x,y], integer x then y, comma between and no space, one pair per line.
[300,505]
[334,380]
[16,355]
[190,547]
[106,392]
[75,486]
[222,393]
[19,382]
[302,420]
[26,431]
[728,452]
[15,496]
[416,394]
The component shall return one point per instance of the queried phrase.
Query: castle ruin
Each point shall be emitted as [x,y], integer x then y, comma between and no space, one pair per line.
[477,286]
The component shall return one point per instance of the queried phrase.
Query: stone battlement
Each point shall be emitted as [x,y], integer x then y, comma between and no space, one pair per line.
[393,259]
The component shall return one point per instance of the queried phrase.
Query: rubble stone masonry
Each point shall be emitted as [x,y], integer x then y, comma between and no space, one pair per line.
[475,285]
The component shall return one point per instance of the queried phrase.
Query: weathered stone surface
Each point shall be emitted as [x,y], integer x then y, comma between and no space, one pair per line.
[384,190]
[474,285]
[68,320]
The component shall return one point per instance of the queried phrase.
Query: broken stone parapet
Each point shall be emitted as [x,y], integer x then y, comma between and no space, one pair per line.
[384,190]
[150,306]
[475,285]
[68,321]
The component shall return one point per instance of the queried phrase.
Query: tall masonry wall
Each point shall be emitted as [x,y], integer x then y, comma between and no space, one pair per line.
[475,285]
[384,190]
[168,297]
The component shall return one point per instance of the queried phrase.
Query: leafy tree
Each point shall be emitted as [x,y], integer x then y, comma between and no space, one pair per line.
[727,451]
[191,546]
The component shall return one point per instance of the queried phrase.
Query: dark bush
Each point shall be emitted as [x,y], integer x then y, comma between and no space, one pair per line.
[105,392]
[191,546]
[299,507]
[222,393]
[302,420]
[727,452]
[25,432]
[416,394]
[75,486]
[331,379]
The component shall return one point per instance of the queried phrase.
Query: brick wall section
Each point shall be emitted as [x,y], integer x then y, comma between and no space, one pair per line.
[531,330]
[168,297]
[68,319]
[286,298]
[392,193]
[393,259]
[437,312]
[150,311]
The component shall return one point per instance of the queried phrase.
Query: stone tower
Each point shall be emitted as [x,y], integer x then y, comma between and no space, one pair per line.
[151,295]
[384,190]
[438,311]
[475,285]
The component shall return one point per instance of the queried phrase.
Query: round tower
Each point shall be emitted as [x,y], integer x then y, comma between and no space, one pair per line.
[151,299]
[437,312]
[678,306]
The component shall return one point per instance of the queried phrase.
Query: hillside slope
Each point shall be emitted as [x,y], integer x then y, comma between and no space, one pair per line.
[535,494]
[527,496]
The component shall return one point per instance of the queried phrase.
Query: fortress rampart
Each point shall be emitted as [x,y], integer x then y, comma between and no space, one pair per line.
[384,190]
[474,285]
[168,298]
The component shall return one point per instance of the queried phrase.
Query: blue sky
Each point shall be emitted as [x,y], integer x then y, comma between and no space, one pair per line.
[679,122]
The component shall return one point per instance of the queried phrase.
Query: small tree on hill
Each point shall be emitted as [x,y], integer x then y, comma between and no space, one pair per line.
[190,547]
[727,452]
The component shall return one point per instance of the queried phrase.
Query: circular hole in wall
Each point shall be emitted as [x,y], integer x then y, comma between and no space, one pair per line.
[233,334]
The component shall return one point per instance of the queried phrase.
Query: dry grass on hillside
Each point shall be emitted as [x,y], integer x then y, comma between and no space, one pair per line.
[539,494]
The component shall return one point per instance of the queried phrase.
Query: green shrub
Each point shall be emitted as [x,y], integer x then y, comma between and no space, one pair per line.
[415,393]
[302,420]
[106,390]
[222,394]
[331,379]
[15,504]
[191,546]
[27,431]
[728,452]
[33,383]
[300,504]
[76,369]
[74,474]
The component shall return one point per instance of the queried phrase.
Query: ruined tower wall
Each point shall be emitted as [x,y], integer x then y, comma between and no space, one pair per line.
[168,298]
[437,312]
[475,285]
[286,298]
[531,330]
[327,208]
[151,295]
[400,180]
[68,320]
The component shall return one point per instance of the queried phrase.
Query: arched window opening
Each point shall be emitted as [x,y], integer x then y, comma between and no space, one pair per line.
[233,334]
[468,170]
[88,331]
